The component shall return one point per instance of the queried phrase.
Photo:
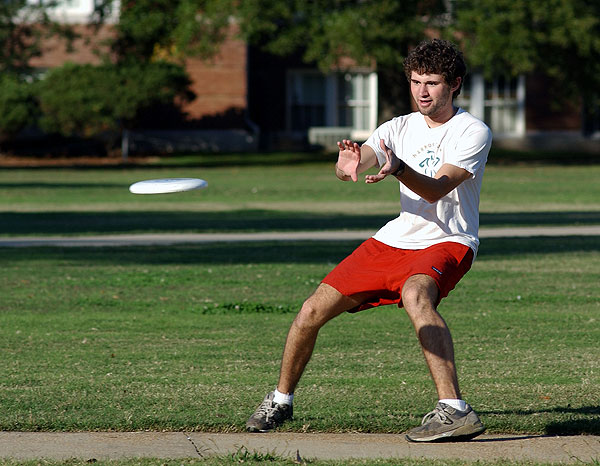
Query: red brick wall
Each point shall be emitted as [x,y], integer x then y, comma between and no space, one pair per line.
[220,84]
[55,52]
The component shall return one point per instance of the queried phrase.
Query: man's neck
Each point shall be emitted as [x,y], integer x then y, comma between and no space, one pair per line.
[440,118]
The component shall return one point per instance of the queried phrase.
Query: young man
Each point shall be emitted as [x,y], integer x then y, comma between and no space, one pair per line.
[438,155]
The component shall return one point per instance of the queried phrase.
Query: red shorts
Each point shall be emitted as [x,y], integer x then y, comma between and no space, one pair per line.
[381,270]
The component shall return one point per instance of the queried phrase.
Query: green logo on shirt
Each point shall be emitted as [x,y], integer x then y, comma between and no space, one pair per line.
[430,163]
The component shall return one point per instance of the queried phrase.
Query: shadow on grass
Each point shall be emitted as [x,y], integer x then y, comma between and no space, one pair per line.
[261,159]
[58,185]
[208,253]
[199,160]
[72,223]
[539,218]
[585,421]
[491,248]
[264,252]
[589,426]
[497,156]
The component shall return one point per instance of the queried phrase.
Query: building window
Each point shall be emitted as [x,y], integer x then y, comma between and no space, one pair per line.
[342,100]
[306,101]
[499,102]
[81,11]
[354,101]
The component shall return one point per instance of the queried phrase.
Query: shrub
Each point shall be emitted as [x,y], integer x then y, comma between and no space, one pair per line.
[18,106]
[86,100]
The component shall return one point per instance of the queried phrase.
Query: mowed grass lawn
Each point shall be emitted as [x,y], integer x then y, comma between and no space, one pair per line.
[189,337]
[278,192]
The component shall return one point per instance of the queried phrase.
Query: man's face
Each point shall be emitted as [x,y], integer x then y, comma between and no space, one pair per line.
[432,94]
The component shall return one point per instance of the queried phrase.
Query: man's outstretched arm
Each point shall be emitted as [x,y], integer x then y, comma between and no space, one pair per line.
[433,189]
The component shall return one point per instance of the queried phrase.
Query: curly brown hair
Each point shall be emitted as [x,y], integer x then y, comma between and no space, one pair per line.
[437,56]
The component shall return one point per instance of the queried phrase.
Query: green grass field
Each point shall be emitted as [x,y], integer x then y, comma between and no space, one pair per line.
[189,337]
[290,193]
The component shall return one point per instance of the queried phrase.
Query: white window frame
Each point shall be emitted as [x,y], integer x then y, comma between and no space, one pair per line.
[78,11]
[502,106]
[362,129]
[331,101]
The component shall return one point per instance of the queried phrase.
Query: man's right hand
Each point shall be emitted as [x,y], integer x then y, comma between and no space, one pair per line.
[348,158]
[392,163]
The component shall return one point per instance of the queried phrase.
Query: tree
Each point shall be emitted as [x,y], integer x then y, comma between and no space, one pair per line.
[18,106]
[167,29]
[325,30]
[560,38]
[508,37]
[84,100]
[23,28]
[329,31]
[87,100]
[331,34]
[24,25]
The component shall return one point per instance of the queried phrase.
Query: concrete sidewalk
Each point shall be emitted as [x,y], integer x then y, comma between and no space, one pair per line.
[191,238]
[114,445]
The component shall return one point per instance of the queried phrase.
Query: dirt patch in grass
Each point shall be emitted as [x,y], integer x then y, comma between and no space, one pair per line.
[11,161]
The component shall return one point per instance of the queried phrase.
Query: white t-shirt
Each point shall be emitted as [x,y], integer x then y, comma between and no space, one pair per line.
[463,141]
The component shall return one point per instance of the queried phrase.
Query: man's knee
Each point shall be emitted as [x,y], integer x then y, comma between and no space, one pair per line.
[323,305]
[418,292]
[310,315]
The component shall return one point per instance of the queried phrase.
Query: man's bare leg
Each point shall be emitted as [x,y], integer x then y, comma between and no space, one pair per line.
[419,297]
[445,422]
[322,306]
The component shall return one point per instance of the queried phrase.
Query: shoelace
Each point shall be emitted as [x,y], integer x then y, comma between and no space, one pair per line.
[268,408]
[436,412]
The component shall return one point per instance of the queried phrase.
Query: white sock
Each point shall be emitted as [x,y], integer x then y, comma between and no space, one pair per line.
[283,398]
[460,405]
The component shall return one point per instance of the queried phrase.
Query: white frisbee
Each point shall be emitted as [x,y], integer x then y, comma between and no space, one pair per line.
[167,185]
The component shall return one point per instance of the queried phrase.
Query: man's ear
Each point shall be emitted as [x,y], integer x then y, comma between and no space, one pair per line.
[456,84]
